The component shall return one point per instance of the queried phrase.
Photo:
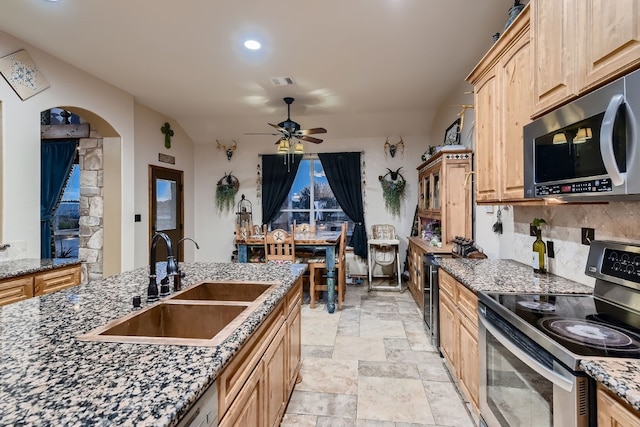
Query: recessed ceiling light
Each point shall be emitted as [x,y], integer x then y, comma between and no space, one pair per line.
[252,44]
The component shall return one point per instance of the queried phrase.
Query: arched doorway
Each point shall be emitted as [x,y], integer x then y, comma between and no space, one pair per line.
[98,168]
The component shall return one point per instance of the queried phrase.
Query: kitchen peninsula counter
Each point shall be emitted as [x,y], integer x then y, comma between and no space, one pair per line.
[505,275]
[49,377]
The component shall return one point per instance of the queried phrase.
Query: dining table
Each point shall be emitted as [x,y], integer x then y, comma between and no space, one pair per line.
[325,239]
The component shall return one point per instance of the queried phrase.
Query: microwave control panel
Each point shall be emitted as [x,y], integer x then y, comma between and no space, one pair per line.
[588,186]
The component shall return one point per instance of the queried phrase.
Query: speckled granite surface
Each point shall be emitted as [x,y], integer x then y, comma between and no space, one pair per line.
[32,265]
[503,275]
[48,377]
[620,376]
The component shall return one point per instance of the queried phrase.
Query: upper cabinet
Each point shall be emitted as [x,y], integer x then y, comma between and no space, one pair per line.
[503,105]
[579,45]
[444,199]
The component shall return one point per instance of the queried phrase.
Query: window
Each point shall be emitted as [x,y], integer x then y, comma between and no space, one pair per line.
[311,200]
[67,216]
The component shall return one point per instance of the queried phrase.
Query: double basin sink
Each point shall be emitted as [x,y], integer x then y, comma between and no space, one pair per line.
[203,314]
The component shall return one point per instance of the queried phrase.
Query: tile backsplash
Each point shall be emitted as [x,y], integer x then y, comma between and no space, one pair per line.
[618,221]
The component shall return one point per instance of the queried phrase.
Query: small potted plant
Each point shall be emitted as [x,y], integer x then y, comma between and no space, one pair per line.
[226,190]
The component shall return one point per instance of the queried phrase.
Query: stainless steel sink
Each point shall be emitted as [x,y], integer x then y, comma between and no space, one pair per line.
[223,291]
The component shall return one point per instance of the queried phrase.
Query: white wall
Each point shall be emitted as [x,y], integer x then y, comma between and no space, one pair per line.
[135,126]
[214,232]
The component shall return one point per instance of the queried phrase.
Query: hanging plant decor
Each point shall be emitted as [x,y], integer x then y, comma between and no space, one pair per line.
[226,190]
[393,186]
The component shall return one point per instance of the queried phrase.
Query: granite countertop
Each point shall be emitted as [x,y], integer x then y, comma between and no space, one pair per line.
[505,275]
[49,377]
[621,376]
[21,267]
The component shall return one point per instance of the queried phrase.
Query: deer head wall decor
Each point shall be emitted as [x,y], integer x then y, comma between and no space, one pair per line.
[228,151]
[393,148]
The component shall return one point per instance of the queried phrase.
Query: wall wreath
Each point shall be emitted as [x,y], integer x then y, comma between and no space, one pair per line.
[393,186]
[226,190]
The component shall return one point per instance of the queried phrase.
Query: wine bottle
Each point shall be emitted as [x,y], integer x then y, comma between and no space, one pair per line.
[539,250]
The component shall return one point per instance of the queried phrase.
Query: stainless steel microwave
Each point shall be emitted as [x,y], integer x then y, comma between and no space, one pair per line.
[587,150]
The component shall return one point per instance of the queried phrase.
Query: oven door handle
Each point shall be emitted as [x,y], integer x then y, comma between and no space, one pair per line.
[549,374]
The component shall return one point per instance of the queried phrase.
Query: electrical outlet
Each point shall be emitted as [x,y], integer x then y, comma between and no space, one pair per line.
[532,230]
[588,234]
[550,251]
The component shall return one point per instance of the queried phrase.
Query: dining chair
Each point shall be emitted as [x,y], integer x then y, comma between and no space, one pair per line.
[303,227]
[318,265]
[279,246]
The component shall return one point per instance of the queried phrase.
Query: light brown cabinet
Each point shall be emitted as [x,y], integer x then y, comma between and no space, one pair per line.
[444,195]
[30,285]
[579,45]
[459,335]
[612,412]
[416,271]
[503,105]
[254,388]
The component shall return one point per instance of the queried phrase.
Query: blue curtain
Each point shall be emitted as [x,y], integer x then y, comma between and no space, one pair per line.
[277,179]
[345,179]
[55,165]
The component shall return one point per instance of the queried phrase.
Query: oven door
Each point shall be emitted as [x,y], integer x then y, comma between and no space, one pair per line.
[520,382]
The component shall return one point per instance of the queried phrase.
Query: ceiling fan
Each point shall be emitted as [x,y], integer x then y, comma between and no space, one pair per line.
[289,129]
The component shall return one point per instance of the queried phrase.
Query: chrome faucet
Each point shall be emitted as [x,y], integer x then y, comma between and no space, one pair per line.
[172,268]
[177,278]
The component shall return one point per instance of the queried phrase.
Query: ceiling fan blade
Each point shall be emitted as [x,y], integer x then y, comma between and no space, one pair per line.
[310,139]
[261,133]
[277,127]
[311,131]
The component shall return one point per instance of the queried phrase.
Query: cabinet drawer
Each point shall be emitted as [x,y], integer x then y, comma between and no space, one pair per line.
[468,304]
[446,284]
[14,290]
[56,280]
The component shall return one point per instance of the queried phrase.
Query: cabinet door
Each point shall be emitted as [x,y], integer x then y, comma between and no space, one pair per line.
[247,408]
[612,413]
[553,34]
[294,324]
[487,136]
[468,365]
[456,218]
[610,43]
[275,378]
[515,75]
[448,334]
[12,290]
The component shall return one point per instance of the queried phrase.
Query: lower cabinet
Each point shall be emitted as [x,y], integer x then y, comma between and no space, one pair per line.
[253,390]
[614,413]
[30,285]
[459,335]
[416,272]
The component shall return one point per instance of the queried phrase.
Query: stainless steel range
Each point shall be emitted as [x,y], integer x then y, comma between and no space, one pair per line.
[531,345]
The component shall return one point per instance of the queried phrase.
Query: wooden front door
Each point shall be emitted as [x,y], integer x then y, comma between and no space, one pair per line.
[166,210]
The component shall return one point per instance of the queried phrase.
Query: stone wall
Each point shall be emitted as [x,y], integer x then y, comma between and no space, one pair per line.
[91,206]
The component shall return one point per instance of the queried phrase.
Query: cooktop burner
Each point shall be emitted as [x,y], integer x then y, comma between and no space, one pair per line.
[591,333]
[582,324]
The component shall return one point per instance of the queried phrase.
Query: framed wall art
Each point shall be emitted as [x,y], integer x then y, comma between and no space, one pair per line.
[22,74]
[452,134]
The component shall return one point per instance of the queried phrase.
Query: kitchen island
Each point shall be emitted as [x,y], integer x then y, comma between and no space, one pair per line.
[48,377]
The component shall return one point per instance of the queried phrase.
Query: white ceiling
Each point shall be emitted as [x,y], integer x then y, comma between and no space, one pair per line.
[185,59]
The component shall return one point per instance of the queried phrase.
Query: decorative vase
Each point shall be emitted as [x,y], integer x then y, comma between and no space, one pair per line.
[514,11]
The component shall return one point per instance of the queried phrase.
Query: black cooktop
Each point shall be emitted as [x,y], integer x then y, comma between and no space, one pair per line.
[583,324]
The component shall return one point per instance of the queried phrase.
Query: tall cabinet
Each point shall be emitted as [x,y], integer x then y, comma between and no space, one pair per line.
[444,210]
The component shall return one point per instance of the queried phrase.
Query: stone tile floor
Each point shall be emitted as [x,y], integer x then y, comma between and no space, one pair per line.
[371,365]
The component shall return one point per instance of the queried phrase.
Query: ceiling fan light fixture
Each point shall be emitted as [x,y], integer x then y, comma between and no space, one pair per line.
[283,147]
[299,148]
